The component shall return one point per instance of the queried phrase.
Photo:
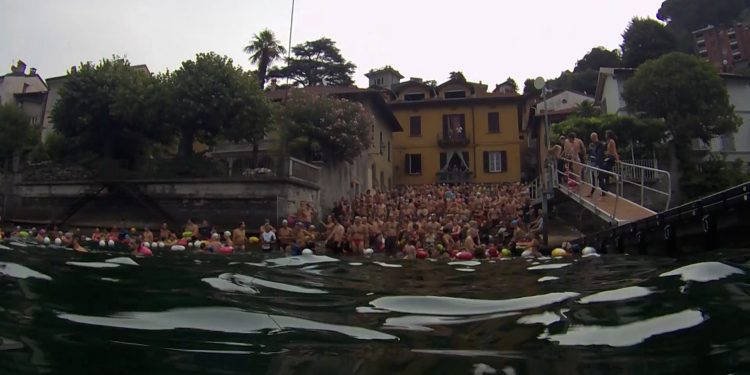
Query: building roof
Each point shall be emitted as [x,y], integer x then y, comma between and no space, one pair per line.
[384,69]
[489,98]
[604,73]
[352,93]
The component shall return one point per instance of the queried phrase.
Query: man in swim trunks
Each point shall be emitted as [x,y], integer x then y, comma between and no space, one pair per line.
[335,240]
[285,236]
[239,237]
[357,235]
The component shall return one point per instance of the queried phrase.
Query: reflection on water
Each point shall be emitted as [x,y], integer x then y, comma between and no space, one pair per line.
[64,312]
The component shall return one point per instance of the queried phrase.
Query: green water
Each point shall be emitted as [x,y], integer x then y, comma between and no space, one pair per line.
[63,312]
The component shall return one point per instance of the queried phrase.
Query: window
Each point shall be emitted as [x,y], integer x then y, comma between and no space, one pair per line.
[382,146]
[455,164]
[415,126]
[495,161]
[455,94]
[413,164]
[493,122]
[454,127]
[389,150]
[414,96]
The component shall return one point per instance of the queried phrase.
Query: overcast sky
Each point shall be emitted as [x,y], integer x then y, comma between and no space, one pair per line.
[488,40]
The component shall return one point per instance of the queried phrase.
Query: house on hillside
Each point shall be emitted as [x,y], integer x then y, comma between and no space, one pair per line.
[26,90]
[561,104]
[457,131]
[733,146]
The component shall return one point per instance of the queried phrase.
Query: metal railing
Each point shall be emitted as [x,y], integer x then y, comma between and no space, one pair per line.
[634,170]
[578,177]
[641,172]
[536,189]
[452,140]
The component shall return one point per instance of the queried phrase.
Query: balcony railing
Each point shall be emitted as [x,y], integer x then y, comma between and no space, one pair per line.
[454,177]
[447,140]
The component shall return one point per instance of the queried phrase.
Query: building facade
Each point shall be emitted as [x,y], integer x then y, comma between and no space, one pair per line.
[726,48]
[26,90]
[456,132]
[609,89]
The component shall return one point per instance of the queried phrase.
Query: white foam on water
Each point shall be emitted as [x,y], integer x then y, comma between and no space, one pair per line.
[547,278]
[256,264]
[482,369]
[3,247]
[249,281]
[110,279]
[703,272]
[18,244]
[122,260]
[421,323]
[617,295]
[435,305]
[552,266]
[228,286]
[20,272]
[300,260]
[355,263]
[93,264]
[388,265]
[466,269]
[545,318]
[370,310]
[629,334]
[221,319]
[470,263]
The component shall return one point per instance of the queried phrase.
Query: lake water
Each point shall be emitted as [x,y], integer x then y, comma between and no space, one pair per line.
[104,313]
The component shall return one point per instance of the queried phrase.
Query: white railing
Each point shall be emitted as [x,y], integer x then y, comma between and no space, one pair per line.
[536,189]
[594,173]
[635,170]
[637,176]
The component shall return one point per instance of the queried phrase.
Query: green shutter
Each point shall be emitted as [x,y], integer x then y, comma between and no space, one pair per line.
[504,161]
[445,127]
[407,168]
[486,157]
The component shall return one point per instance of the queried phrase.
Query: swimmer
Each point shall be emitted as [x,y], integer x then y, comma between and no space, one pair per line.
[268,238]
[239,237]
[76,245]
[285,236]
[148,235]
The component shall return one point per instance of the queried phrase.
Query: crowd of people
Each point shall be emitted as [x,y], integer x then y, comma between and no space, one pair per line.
[413,221]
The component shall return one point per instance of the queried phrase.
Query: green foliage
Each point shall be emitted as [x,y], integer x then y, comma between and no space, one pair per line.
[529,89]
[684,91]
[587,109]
[643,135]
[645,39]
[598,57]
[16,134]
[107,110]
[264,49]
[512,82]
[691,15]
[315,63]
[711,175]
[210,97]
[457,75]
[336,129]
[584,81]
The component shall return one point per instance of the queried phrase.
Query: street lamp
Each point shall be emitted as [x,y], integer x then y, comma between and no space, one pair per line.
[547,194]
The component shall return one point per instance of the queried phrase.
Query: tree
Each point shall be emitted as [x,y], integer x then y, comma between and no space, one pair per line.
[315,63]
[696,14]
[16,134]
[323,125]
[457,75]
[598,57]
[689,96]
[712,175]
[529,89]
[512,83]
[645,39]
[110,110]
[264,49]
[636,136]
[210,95]
[586,109]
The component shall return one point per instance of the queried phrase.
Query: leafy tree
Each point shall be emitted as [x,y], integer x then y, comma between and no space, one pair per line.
[586,109]
[584,81]
[110,110]
[457,75]
[335,129]
[315,63]
[598,57]
[264,49]
[16,134]
[512,83]
[210,96]
[712,175]
[689,96]
[529,89]
[642,136]
[696,14]
[645,39]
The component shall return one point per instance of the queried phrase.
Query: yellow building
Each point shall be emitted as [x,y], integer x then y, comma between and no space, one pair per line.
[456,132]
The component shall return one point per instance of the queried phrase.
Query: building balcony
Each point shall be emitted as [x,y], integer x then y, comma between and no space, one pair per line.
[447,140]
[454,177]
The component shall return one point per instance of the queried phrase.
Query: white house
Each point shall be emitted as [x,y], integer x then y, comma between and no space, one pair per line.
[563,101]
[611,84]
[25,90]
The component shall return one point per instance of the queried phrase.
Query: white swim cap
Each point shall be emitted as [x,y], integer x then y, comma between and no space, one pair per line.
[58,241]
[307,252]
[111,243]
[227,234]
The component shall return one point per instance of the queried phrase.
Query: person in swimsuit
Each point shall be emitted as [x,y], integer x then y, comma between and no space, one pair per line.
[357,235]
[267,238]
[239,237]
[335,240]
[285,236]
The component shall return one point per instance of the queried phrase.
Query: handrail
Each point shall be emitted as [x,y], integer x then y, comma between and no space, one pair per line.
[642,184]
[585,167]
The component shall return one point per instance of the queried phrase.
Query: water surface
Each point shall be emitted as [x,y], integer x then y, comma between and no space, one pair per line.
[63,312]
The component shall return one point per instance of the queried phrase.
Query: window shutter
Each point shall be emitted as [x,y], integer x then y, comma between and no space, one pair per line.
[486,157]
[504,161]
[445,126]
[443,160]
[466,158]
[407,165]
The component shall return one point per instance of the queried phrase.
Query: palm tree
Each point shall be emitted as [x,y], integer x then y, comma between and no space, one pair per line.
[263,50]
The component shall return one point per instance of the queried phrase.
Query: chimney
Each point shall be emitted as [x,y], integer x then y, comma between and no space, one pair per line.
[32,72]
[21,67]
